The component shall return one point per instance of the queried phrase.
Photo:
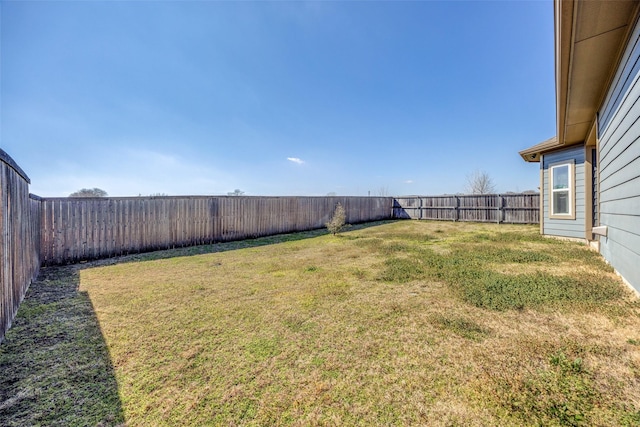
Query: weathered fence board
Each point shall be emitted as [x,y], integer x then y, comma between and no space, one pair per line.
[498,208]
[19,239]
[76,229]
[79,229]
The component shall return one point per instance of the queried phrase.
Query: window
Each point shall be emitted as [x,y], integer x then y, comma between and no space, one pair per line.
[561,191]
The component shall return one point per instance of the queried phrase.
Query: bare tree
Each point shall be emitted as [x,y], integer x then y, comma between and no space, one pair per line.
[480,182]
[236,192]
[89,192]
[382,191]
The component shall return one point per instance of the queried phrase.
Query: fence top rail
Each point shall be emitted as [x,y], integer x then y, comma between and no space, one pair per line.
[4,157]
[453,196]
[205,197]
[448,196]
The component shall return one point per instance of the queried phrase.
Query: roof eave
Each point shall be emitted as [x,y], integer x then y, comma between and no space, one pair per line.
[533,154]
[563,24]
[589,39]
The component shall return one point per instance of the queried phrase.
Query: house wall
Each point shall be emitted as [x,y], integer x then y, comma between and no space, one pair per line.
[565,227]
[619,174]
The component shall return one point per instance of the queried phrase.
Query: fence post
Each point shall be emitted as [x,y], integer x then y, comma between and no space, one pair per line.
[457,210]
[500,212]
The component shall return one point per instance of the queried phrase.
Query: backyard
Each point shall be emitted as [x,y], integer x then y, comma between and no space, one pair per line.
[389,323]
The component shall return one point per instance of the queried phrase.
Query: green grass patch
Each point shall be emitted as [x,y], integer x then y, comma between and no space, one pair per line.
[538,290]
[461,326]
[472,272]
[263,348]
[402,270]
[561,393]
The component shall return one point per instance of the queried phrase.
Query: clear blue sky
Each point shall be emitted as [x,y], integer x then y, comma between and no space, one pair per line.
[275,98]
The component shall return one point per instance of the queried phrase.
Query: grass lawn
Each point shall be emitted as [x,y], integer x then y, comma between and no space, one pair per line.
[394,323]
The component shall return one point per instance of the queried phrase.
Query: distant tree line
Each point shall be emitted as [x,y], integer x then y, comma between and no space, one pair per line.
[89,192]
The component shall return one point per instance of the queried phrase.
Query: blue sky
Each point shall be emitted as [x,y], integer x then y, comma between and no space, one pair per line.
[275,98]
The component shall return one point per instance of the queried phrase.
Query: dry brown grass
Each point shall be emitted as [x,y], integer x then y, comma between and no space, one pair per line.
[398,324]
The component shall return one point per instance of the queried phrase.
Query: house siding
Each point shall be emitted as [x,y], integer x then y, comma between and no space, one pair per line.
[619,151]
[565,227]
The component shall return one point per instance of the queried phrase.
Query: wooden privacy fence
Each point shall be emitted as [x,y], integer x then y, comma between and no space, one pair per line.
[498,208]
[19,239]
[36,231]
[75,229]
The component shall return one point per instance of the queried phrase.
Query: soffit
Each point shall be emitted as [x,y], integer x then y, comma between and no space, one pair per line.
[590,37]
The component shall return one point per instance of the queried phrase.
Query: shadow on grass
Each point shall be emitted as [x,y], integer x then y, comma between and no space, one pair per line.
[227,246]
[55,367]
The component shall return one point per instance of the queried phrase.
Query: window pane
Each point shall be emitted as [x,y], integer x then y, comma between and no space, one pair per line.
[561,202]
[561,177]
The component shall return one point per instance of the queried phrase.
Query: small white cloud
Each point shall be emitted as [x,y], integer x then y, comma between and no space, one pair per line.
[295,160]
[409,181]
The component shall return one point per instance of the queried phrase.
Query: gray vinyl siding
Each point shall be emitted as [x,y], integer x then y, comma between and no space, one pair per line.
[619,150]
[565,227]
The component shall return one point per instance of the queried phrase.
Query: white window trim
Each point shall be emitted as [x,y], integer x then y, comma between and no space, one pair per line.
[571,190]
